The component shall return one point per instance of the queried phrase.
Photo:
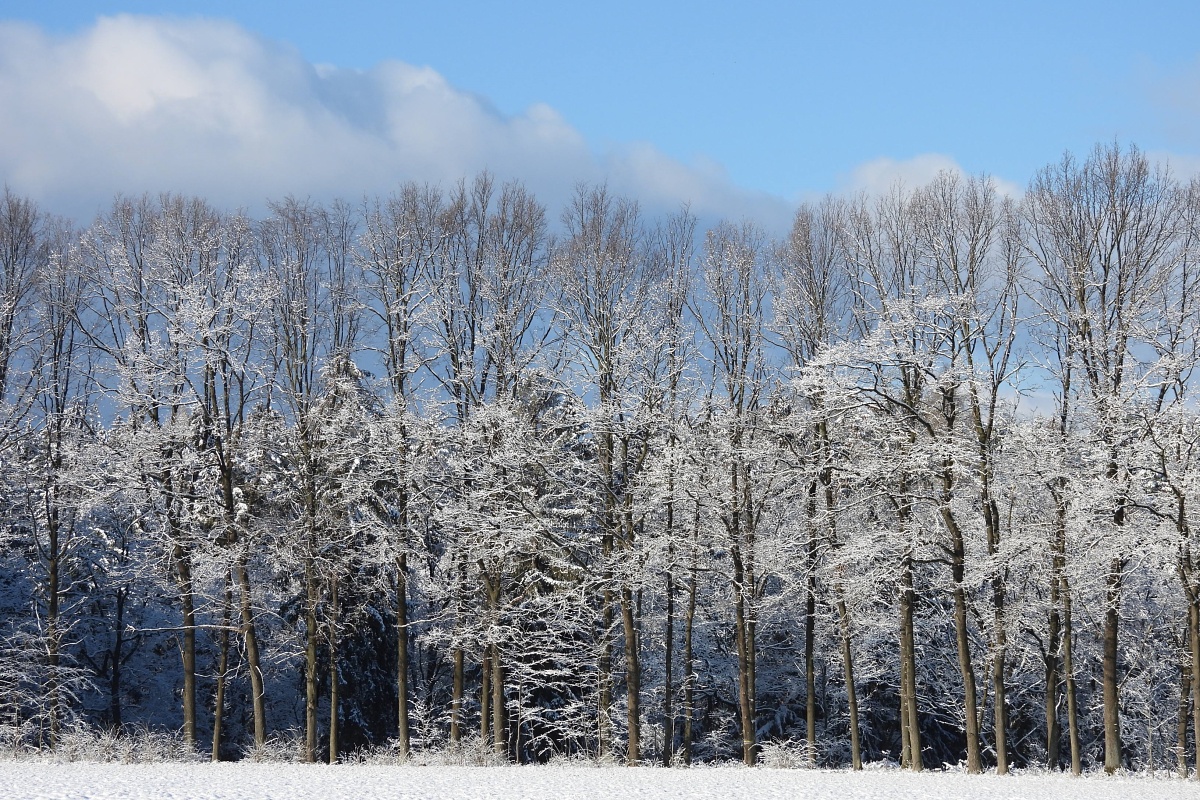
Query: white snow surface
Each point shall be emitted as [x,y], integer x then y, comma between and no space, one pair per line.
[301,782]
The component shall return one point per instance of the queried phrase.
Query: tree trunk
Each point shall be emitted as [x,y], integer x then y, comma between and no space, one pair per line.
[1000,703]
[1181,724]
[908,660]
[848,670]
[999,592]
[967,672]
[222,668]
[456,697]
[905,738]
[810,668]
[845,631]
[1191,594]
[743,599]
[485,695]
[605,454]
[810,629]
[1069,671]
[333,670]
[253,659]
[459,680]
[633,753]
[52,622]
[689,663]
[189,646]
[965,668]
[402,734]
[114,681]
[604,696]
[745,646]
[630,611]
[183,574]
[1194,625]
[752,647]
[1053,643]
[499,741]
[1112,720]
[669,641]
[310,663]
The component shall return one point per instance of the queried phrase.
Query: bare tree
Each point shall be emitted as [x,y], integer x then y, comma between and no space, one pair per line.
[606,281]
[812,308]
[315,319]
[886,259]
[222,332]
[731,315]
[60,384]
[974,245]
[401,240]
[674,249]
[145,254]
[1103,234]
[26,236]
[486,289]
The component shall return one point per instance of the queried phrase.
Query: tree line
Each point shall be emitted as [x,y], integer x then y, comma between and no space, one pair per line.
[914,481]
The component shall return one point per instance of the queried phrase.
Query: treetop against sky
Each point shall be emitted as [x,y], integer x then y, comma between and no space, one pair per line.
[740,111]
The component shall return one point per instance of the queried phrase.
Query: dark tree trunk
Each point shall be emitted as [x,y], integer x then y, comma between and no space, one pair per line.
[999,592]
[633,678]
[222,668]
[499,741]
[848,670]
[1112,719]
[689,664]
[908,661]
[485,695]
[187,601]
[459,677]
[118,658]
[810,629]
[604,696]
[669,641]
[310,663]
[1053,637]
[253,657]
[1181,724]
[456,697]
[962,638]
[334,698]
[745,646]
[810,667]
[402,666]
[1069,671]
[1194,626]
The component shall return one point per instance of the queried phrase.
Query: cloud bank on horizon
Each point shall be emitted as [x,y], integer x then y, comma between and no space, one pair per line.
[138,104]
[145,104]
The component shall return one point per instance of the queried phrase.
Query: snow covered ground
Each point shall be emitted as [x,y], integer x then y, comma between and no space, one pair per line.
[296,782]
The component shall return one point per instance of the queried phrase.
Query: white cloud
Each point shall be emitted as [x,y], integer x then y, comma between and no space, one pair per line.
[881,174]
[148,104]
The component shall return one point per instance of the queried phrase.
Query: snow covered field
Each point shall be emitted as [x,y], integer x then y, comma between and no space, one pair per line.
[296,782]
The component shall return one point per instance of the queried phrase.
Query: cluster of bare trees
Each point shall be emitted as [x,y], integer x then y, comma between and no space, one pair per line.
[913,482]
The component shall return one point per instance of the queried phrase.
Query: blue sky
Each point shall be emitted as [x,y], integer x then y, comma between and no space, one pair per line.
[743,109]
